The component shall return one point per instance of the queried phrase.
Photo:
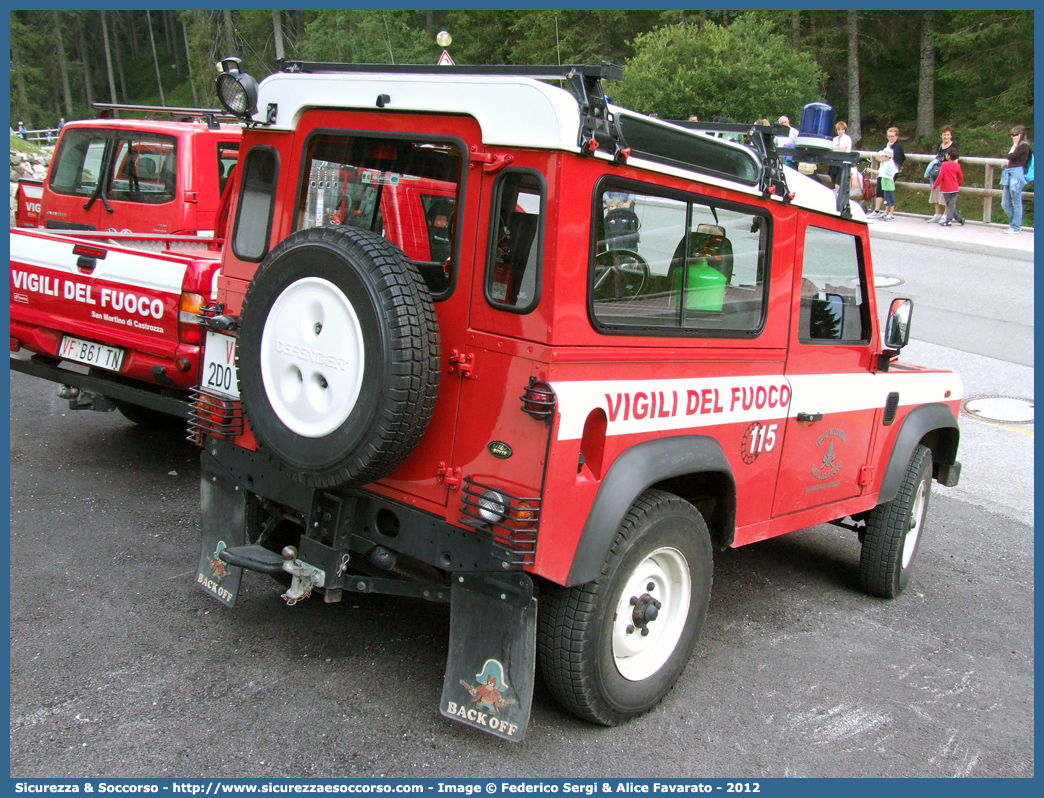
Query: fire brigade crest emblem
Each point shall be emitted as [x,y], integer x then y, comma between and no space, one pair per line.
[487,694]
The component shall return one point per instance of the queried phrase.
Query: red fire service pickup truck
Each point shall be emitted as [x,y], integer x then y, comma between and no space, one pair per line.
[135,175]
[629,342]
[113,317]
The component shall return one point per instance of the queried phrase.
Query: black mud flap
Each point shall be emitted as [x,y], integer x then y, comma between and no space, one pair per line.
[224,525]
[492,653]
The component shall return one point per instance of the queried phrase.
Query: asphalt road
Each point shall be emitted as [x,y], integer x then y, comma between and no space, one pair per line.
[121,667]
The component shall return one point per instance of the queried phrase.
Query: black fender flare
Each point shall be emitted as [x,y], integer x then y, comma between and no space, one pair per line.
[631,474]
[920,422]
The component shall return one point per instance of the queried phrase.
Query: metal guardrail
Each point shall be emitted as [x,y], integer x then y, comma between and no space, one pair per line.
[988,193]
[45,135]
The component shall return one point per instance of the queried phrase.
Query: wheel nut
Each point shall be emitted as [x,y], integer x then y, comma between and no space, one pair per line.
[650,586]
[630,629]
[645,631]
[634,600]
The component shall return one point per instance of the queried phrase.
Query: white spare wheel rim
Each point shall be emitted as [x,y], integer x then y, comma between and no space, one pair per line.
[312,357]
[641,645]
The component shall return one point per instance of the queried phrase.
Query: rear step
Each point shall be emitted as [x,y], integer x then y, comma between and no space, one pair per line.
[254,558]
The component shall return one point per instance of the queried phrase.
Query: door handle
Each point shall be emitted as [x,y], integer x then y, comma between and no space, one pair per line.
[809,416]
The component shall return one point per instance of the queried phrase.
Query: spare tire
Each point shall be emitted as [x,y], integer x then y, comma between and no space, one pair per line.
[338,356]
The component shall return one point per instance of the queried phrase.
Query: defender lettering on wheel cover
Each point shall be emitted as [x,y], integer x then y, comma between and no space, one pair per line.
[312,357]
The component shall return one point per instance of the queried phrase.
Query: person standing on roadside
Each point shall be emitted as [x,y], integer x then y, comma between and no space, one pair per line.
[1013,178]
[842,143]
[890,164]
[948,183]
[936,197]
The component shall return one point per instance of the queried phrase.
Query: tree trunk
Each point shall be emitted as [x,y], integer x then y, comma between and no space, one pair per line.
[277,31]
[155,58]
[188,61]
[135,53]
[118,52]
[429,23]
[62,66]
[230,36]
[108,58]
[88,79]
[926,83]
[19,79]
[172,27]
[795,28]
[854,118]
[166,31]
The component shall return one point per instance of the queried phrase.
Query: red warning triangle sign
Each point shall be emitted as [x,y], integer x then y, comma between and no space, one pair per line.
[445,60]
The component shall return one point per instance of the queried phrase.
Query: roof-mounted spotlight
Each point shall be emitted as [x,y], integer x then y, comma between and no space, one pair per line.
[236,90]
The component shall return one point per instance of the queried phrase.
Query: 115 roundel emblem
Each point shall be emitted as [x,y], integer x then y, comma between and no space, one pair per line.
[757,438]
[500,450]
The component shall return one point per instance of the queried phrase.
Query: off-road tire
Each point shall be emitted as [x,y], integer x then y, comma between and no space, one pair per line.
[888,553]
[377,372]
[576,626]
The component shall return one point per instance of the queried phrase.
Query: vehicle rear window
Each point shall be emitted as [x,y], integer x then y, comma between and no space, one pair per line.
[405,189]
[78,164]
[674,264]
[227,155]
[144,168]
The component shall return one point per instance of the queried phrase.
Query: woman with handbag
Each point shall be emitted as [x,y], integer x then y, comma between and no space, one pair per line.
[1013,178]
[932,174]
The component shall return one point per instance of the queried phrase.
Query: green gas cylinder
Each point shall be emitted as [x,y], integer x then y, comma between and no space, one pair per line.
[705,286]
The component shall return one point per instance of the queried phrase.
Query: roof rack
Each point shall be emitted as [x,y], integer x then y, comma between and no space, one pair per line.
[763,142]
[597,128]
[210,115]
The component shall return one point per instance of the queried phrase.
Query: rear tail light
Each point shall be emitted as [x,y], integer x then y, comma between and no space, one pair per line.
[189,318]
[538,400]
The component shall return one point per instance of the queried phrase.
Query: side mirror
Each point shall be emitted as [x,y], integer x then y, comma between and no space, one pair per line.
[897,327]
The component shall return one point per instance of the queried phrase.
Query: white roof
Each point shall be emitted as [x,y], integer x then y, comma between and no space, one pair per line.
[511,111]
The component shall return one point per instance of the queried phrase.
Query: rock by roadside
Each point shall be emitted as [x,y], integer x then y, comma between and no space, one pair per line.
[27,164]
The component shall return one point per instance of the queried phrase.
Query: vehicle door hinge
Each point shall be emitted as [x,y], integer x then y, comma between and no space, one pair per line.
[866,476]
[462,363]
[448,476]
[491,162]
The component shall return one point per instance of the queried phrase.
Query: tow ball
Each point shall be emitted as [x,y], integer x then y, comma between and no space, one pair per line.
[305,577]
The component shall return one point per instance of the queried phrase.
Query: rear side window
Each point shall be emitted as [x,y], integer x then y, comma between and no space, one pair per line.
[405,189]
[256,204]
[833,300]
[515,262]
[78,165]
[675,264]
[144,168]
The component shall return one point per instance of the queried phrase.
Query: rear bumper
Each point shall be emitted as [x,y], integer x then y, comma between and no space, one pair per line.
[138,366]
[166,400]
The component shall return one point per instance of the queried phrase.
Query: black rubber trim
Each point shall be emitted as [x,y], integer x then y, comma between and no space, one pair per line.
[633,472]
[112,387]
[920,422]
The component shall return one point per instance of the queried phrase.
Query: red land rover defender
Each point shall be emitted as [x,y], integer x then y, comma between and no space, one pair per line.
[630,341]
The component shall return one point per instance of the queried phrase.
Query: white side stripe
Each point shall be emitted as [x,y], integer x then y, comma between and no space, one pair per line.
[645,406]
[138,271]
